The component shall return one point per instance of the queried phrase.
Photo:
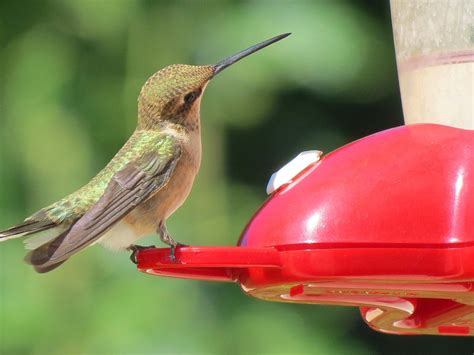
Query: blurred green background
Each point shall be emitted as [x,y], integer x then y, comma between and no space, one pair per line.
[70,73]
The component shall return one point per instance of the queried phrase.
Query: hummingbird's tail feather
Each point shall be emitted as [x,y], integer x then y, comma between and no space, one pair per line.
[42,234]
[43,269]
[25,228]
[40,257]
[38,239]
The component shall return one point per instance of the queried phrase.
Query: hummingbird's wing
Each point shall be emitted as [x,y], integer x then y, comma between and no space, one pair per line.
[129,187]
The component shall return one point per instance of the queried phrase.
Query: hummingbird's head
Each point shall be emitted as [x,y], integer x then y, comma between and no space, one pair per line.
[173,94]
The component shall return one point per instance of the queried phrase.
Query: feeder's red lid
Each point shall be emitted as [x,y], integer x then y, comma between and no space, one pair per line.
[384,223]
[410,186]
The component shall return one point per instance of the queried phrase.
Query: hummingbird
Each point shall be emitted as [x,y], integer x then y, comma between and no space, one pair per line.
[145,182]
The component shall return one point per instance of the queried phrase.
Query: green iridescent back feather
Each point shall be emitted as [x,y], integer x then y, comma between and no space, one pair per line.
[76,204]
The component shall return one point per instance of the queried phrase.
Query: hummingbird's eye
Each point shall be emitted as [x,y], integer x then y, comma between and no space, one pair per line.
[190,97]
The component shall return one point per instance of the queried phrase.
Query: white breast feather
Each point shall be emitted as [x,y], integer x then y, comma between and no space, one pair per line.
[119,237]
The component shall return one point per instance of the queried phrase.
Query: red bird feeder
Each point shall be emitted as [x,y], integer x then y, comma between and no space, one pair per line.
[384,223]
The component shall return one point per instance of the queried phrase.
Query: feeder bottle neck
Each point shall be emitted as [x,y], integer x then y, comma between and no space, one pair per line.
[436,62]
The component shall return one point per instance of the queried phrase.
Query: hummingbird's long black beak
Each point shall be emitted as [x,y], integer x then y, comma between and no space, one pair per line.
[236,57]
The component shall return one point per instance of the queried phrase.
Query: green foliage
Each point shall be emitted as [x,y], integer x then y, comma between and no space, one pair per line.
[70,73]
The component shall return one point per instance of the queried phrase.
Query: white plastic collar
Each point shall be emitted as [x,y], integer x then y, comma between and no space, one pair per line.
[292,168]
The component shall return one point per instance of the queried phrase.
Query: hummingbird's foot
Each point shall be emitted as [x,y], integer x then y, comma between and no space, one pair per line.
[173,251]
[167,239]
[135,249]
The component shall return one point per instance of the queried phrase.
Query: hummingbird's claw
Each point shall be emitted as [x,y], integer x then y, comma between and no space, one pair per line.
[168,239]
[173,251]
[135,249]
